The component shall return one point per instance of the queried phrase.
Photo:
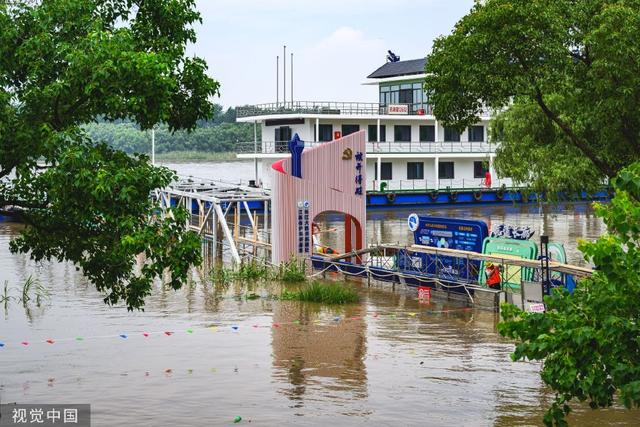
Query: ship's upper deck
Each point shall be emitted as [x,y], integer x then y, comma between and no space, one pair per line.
[401,97]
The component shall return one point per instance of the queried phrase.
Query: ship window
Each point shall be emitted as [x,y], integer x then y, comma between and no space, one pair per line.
[385,98]
[451,135]
[415,170]
[427,133]
[417,96]
[326,133]
[373,133]
[385,171]
[476,133]
[349,129]
[283,133]
[406,96]
[445,170]
[402,133]
[480,168]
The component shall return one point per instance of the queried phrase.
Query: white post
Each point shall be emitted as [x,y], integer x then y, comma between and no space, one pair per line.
[255,150]
[437,139]
[317,129]
[436,163]
[153,146]
[379,170]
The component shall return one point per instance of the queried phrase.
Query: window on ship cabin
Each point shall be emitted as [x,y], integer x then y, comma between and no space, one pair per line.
[427,133]
[446,170]
[451,135]
[326,133]
[349,129]
[480,168]
[373,133]
[415,170]
[385,171]
[402,133]
[476,133]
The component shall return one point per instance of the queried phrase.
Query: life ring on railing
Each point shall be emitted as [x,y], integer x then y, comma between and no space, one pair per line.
[477,195]
[391,197]
[453,196]
[434,195]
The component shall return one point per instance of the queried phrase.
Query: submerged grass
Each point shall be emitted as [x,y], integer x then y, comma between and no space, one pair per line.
[331,293]
[293,271]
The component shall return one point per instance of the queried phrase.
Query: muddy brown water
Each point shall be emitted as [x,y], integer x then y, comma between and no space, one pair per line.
[385,361]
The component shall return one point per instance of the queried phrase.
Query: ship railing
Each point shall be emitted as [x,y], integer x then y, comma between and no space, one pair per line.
[432,184]
[310,107]
[339,108]
[439,147]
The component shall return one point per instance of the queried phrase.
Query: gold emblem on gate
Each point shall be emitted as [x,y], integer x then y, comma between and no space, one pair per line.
[347,154]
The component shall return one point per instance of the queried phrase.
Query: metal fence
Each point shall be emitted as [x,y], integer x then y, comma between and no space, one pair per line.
[440,147]
[333,108]
[320,107]
[430,184]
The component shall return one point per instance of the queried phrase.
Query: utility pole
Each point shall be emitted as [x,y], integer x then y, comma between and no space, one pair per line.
[153,145]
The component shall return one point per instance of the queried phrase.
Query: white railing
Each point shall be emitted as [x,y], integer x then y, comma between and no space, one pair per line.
[428,184]
[440,147]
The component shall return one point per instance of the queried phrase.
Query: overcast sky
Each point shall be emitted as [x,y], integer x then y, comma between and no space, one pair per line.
[336,43]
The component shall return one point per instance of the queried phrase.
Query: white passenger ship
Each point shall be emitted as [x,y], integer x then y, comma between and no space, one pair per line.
[407,149]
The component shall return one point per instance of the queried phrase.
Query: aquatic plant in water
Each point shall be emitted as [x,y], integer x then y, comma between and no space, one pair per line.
[331,293]
[292,271]
[30,286]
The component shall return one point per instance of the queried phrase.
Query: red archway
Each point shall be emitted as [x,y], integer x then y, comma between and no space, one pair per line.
[353,235]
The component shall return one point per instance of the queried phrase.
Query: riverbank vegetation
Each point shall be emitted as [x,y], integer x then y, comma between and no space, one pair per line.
[565,77]
[208,140]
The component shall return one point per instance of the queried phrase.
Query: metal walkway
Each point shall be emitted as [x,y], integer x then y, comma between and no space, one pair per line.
[223,213]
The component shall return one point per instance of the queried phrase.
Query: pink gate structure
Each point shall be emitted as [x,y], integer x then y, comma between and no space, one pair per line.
[329,177]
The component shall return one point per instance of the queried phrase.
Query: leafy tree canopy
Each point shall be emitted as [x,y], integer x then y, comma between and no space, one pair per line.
[590,342]
[62,64]
[564,73]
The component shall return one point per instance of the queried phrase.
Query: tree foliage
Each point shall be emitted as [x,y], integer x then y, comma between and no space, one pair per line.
[590,341]
[565,75]
[62,64]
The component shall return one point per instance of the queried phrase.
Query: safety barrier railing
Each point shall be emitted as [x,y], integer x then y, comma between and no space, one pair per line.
[440,147]
[324,107]
[430,184]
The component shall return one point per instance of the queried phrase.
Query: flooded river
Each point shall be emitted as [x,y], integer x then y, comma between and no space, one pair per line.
[206,354]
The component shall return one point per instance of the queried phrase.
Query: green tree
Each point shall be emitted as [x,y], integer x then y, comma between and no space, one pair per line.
[62,64]
[565,75]
[590,342]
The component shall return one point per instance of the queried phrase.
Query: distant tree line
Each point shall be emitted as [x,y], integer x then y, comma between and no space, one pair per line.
[221,134]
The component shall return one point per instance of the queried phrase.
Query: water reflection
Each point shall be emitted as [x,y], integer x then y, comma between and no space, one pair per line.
[319,349]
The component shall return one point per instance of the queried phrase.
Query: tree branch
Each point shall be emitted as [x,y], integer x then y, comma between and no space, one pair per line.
[579,143]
